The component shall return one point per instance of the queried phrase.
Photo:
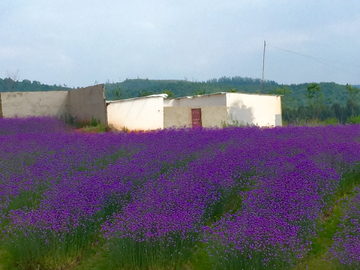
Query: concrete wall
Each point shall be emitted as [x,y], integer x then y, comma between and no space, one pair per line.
[87,103]
[22,104]
[1,113]
[82,103]
[213,116]
[261,110]
[146,113]
[177,117]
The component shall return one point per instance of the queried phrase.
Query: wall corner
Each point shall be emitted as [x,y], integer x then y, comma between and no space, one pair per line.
[1,112]
[105,105]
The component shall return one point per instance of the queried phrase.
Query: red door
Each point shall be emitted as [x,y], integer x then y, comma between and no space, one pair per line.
[196,118]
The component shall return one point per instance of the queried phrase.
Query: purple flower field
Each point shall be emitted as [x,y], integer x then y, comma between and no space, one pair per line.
[238,198]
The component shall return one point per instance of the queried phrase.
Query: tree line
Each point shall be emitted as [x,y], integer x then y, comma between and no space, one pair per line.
[131,88]
[320,109]
[13,85]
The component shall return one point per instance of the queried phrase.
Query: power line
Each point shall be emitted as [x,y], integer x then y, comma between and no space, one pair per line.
[320,60]
[313,57]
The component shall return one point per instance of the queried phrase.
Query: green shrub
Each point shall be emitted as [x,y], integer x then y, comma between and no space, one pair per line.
[94,122]
[353,120]
[68,119]
[331,121]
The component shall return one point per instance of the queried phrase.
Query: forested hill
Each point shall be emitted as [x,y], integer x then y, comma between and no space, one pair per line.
[9,85]
[138,87]
[177,88]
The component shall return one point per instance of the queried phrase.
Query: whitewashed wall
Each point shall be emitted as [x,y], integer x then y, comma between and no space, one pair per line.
[146,113]
[261,110]
[217,109]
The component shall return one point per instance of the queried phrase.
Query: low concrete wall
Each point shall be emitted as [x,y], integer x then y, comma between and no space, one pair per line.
[23,104]
[87,103]
[146,113]
[83,103]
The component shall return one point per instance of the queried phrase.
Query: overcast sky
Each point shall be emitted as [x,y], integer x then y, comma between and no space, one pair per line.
[78,42]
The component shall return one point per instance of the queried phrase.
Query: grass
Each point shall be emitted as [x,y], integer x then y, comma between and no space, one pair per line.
[93,126]
[328,225]
[5,260]
[313,122]
[93,129]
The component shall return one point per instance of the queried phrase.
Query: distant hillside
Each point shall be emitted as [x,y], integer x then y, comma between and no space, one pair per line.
[139,87]
[8,85]
[333,93]
[136,87]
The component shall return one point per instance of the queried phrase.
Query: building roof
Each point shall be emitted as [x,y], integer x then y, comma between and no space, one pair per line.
[222,93]
[150,96]
[189,97]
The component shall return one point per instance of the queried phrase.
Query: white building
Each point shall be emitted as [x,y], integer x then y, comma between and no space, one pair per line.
[213,110]
[143,113]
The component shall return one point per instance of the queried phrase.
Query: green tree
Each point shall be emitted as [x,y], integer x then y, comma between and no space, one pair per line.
[146,93]
[352,105]
[10,84]
[315,99]
[199,92]
[353,92]
[117,93]
[340,112]
[286,100]
[314,94]
[232,90]
[169,93]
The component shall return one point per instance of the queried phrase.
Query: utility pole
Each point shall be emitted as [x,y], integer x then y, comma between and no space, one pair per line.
[263,68]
